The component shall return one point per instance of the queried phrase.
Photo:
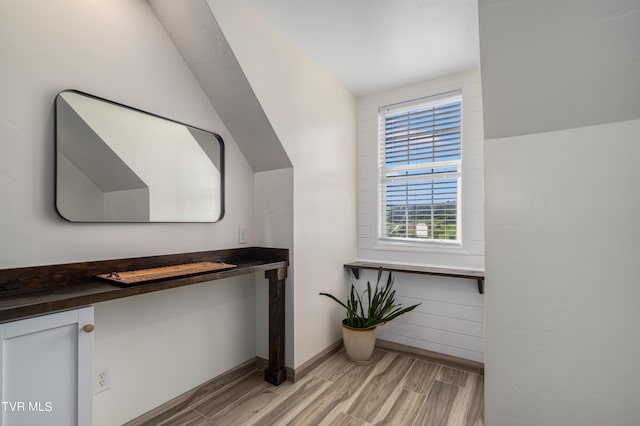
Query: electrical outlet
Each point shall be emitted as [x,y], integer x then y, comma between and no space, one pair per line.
[242,235]
[101,379]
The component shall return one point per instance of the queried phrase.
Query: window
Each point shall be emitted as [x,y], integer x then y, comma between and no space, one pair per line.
[420,168]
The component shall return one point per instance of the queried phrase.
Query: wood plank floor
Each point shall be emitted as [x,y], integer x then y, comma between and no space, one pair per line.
[396,389]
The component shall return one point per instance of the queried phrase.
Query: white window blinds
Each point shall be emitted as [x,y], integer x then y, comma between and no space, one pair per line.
[420,168]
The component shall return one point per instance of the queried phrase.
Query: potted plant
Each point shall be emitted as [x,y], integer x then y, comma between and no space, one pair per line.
[359,327]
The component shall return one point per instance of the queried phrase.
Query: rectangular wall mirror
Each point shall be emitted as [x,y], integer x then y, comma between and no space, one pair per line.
[118,164]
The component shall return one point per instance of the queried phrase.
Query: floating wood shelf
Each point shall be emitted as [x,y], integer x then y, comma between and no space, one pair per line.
[426,270]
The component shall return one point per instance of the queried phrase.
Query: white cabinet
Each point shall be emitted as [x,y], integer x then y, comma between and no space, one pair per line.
[46,370]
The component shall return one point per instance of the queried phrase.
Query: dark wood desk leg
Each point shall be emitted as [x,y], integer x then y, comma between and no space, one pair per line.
[276,373]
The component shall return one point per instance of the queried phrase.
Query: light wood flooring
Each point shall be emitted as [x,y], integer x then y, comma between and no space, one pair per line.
[397,389]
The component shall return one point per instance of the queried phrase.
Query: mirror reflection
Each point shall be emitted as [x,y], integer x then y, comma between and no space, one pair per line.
[118,164]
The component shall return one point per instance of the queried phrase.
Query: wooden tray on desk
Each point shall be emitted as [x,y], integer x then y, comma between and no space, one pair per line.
[143,276]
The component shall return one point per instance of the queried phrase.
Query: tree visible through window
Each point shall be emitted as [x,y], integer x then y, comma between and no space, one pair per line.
[420,168]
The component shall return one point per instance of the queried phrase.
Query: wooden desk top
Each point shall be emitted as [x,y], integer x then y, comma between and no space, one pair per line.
[36,290]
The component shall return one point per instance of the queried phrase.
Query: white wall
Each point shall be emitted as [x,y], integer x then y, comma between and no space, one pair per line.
[562,208]
[273,227]
[573,48]
[314,119]
[450,319]
[160,345]
[157,345]
[562,268]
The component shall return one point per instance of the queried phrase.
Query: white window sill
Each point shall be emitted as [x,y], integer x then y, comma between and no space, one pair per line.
[420,247]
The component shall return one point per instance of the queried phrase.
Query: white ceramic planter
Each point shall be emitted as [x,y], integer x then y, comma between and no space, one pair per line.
[359,343]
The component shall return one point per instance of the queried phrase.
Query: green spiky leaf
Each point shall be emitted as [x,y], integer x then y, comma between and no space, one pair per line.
[381,306]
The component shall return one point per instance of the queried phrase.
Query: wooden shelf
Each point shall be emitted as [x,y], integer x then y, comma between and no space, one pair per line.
[413,269]
[38,290]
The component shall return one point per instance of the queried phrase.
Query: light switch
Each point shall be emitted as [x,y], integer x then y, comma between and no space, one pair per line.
[242,235]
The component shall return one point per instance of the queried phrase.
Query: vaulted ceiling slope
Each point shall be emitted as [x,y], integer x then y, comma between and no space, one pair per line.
[375,45]
[198,37]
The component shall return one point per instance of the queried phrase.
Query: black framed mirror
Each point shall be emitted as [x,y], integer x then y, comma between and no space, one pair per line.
[115,163]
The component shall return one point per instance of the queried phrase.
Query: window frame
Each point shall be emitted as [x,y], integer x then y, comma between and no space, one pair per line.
[383,179]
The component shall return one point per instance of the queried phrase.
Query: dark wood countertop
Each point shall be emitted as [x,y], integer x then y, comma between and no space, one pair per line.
[36,290]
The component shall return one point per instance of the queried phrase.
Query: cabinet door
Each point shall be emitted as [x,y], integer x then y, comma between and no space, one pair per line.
[46,372]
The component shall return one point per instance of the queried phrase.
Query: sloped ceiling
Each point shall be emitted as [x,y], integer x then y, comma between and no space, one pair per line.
[204,48]
[375,45]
